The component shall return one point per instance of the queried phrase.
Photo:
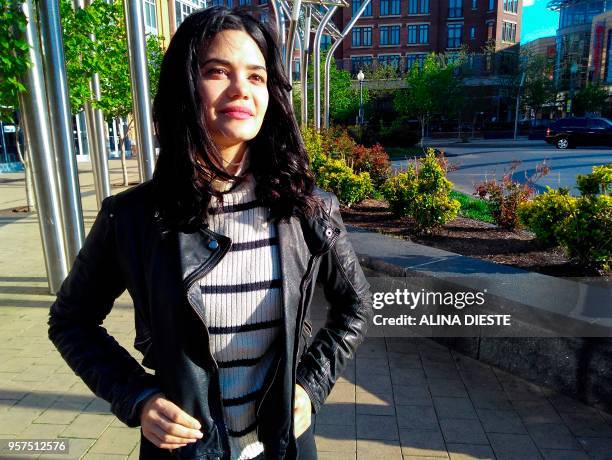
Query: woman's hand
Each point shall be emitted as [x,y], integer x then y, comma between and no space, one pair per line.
[302,411]
[166,425]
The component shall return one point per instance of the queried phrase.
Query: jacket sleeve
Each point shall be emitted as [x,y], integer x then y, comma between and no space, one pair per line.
[348,293]
[75,324]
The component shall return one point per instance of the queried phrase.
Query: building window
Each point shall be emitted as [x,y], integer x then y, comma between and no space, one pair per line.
[474,4]
[389,35]
[508,32]
[418,34]
[413,6]
[412,59]
[455,8]
[491,5]
[424,6]
[244,2]
[472,33]
[453,38]
[511,6]
[263,2]
[362,36]
[263,17]
[360,63]
[389,7]
[227,3]
[326,41]
[367,12]
[184,8]
[390,59]
[489,30]
[150,17]
[424,33]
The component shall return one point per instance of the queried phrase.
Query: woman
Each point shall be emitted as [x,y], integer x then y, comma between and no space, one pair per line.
[220,253]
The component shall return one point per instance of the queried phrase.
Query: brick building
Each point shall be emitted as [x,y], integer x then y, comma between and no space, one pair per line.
[402,32]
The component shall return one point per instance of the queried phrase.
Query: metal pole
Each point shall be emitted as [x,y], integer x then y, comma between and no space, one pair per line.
[143,121]
[518,98]
[330,54]
[361,102]
[4,152]
[317,66]
[304,63]
[61,128]
[35,120]
[295,13]
[94,124]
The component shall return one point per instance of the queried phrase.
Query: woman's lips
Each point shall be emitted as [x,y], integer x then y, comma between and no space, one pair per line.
[238,115]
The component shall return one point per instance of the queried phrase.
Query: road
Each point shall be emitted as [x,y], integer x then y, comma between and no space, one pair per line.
[480,161]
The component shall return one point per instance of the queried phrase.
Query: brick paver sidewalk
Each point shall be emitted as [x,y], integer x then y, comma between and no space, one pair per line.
[400,398]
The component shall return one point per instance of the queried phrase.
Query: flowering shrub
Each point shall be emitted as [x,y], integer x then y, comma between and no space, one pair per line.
[422,192]
[373,160]
[337,177]
[504,197]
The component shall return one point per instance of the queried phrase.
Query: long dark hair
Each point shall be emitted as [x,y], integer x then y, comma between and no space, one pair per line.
[188,156]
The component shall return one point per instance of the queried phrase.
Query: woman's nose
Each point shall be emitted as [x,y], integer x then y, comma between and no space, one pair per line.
[238,87]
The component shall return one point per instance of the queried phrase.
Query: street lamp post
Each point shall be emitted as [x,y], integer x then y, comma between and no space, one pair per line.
[360,77]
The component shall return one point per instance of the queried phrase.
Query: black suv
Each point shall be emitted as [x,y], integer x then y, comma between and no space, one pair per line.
[570,132]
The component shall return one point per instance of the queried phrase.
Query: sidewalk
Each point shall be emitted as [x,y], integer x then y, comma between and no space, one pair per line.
[399,399]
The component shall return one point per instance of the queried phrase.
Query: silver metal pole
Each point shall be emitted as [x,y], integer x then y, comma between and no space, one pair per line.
[140,86]
[94,124]
[330,54]
[317,66]
[61,127]
[295,13]
[518,98]
[304,63]
[35,120]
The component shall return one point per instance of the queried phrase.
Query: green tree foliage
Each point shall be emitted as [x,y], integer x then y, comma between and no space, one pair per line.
[344,98]
[14,59]
[591,98]
[433,89]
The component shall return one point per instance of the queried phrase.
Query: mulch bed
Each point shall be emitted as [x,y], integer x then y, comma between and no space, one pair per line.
[472,238]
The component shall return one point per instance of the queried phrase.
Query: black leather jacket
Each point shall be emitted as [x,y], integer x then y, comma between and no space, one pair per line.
[128,248]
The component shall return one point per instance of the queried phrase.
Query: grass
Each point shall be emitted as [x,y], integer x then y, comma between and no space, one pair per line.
[400,153]
[472,208]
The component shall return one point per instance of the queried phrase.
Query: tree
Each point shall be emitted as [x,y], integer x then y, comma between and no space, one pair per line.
[539,87]
[432,89]
[590,99]
[344,99]
[14,60]
[108,57]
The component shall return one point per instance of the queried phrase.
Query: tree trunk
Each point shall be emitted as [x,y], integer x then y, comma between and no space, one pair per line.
[122,146]
[29,183]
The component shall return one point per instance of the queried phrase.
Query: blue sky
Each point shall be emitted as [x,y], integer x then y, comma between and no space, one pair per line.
[538,21]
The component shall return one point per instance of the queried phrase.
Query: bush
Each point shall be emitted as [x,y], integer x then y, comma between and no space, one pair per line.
[586,234]
[422,192]
[336,176]
[373,160]
[543,214]
[583,225]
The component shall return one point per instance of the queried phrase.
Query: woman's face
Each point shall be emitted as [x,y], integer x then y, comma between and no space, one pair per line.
[233,88]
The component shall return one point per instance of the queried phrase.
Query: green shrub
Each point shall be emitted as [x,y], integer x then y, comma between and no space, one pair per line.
[599,181]
[472,208]
[543,214]
[336,176]
[422,192]
[586,234]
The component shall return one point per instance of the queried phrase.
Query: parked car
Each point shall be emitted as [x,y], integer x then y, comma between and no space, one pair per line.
[572,131]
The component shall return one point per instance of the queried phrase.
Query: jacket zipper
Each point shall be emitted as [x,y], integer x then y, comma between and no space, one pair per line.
[189,282]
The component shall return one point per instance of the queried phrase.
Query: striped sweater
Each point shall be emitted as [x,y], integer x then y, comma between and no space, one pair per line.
[242,299]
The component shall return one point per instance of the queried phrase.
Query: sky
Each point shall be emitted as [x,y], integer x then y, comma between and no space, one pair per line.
[538,21]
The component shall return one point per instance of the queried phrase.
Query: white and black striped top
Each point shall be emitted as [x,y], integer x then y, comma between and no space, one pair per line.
[242,299]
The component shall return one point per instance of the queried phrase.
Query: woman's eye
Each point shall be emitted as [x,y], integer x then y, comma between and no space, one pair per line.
[259,77]
[216,71]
